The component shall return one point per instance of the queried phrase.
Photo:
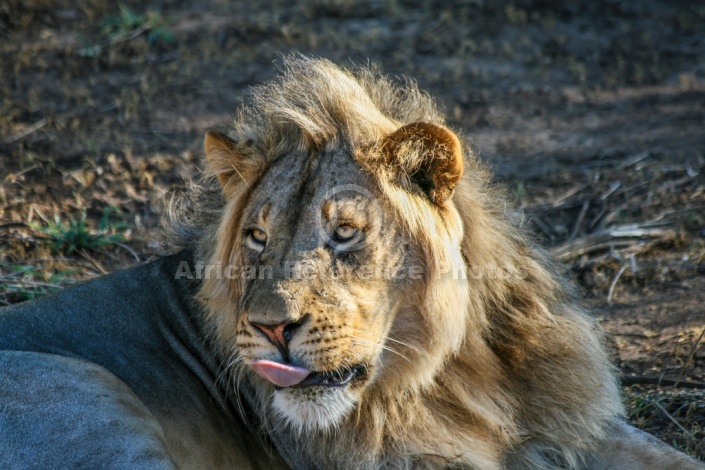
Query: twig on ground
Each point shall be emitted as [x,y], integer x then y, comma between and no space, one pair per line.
[130,250]
[13,225]
[624,236]
[41,260]
[674,420]
[543,226]
[129,36]
[31,129]
[641,380]
[690,357]
[634,160]
[613,187]
[610,292]
[666,213]
[27,131]
[94,261]
[560,200]
[579,221]
[29,283]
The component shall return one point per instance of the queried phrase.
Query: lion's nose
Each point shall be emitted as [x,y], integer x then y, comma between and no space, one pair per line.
[279,334]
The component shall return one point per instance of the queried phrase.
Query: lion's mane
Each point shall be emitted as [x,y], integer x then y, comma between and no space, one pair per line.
[501,368]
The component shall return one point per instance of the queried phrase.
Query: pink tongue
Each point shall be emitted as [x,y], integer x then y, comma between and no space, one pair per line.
[283,375]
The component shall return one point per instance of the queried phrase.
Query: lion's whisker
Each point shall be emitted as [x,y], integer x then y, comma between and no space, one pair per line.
[233,370]
[386,338]
[384,347]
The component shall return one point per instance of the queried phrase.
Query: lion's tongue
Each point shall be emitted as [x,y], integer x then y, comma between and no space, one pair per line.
[282,375]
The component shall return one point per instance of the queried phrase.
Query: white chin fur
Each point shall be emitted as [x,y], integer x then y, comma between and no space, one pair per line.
[309,410]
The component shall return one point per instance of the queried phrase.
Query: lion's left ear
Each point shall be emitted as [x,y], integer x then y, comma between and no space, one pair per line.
[228,161]
[221,155]
[431,156]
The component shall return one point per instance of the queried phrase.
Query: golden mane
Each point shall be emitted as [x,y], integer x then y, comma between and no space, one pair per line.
[502,362]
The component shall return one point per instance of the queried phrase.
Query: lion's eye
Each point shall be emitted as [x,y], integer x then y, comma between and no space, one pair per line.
[256,239]
[344,233]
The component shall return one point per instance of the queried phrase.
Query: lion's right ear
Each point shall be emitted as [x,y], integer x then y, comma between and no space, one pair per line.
[430,155]
[224,160]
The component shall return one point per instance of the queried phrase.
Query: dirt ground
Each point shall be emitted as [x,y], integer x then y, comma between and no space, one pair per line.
[592,114]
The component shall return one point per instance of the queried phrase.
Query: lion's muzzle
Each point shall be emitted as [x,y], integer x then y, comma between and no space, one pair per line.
[290,375]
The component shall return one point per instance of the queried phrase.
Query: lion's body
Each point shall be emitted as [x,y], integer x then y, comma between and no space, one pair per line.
[468,351]
[115,374]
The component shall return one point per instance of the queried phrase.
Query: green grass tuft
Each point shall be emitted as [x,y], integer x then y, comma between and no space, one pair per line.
[75,234]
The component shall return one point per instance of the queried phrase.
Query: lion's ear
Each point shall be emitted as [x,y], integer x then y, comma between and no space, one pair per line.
[223,159]
[431,156]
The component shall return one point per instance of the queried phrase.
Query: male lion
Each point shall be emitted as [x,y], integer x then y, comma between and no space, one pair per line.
[352,294]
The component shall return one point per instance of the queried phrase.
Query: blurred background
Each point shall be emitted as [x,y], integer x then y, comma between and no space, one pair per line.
[591,113]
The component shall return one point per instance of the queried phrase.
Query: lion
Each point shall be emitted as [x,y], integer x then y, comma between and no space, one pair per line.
[350,291]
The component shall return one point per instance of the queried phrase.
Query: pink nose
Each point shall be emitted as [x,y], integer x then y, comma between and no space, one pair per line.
[280,334]
[276,333]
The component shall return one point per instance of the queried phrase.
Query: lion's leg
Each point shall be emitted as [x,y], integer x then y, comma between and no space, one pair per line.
[58,412]
[628,448]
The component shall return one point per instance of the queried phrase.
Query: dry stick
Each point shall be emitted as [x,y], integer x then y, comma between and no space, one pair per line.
[567,195]
[14,177]
[624,236]
[31,129]
[666,213]
[678,382]
[39,260]
[660,407]
[597,218]
[613,214]
[634,160]
[129,36]
[690,357]
[17,236]
[130,250]
[95,262]
[610,292]
[26,131]
[579,221]
[583,247]
[29,283]
[613,187]
[641,380]
[13,225]
[8,277]
[544,227]
[673,184]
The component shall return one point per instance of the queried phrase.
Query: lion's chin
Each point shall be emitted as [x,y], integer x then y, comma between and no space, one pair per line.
[314,408]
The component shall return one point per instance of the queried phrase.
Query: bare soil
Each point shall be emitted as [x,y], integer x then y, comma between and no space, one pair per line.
[592,114]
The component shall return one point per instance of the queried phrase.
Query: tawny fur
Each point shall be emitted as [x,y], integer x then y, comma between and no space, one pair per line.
[497,371]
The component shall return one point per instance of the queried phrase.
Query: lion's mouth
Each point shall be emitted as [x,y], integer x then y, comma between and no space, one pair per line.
[290,375]
[334,378]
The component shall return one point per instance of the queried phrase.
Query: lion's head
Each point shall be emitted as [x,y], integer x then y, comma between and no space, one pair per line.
[364,275]
[326,208]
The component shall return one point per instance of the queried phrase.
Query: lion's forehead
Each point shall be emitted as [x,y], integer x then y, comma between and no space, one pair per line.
[305,190]
[298,195]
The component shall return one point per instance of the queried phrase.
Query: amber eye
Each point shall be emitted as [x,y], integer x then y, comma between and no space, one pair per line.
[344,233]
[256,239]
